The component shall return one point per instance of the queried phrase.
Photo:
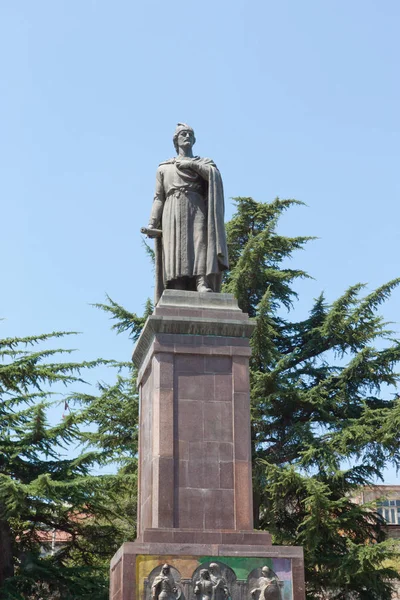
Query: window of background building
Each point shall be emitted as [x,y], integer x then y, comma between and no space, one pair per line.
[390,511]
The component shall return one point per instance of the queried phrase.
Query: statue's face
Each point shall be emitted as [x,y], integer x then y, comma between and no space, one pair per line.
[185,139]
[213,569]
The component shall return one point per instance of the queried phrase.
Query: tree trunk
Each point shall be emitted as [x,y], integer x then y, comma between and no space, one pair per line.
[6,552]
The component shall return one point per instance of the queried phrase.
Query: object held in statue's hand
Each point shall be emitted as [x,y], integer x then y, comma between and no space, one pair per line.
[150,232]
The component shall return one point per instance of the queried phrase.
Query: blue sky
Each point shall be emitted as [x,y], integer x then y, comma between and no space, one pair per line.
[291,99]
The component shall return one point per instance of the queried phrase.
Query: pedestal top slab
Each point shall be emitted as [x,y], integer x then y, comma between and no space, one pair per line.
[182,298]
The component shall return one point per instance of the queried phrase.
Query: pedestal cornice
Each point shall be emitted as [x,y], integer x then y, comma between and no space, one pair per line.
[193,313]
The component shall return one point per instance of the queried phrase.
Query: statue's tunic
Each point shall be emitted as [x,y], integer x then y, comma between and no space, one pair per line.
[190,204]
[184,221]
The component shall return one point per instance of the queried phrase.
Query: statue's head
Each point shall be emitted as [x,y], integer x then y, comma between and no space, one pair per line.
[165,569]
[214,568]
[204,574]
[184,135]
[266,571]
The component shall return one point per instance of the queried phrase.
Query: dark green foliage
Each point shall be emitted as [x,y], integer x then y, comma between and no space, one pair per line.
[40,491]
[325,416]
[125,320]
[41,579]
[256,252]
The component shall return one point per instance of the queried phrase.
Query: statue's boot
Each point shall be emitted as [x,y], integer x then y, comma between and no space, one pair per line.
[201,284]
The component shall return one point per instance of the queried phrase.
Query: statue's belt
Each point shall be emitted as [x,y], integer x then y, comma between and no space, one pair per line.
[185,188]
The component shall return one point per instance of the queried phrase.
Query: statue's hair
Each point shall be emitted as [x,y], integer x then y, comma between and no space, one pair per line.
[182,127]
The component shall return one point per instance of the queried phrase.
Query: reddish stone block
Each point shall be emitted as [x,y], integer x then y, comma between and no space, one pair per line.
[190,420]
[162,311]
[241,428]
[207,537]
[226,475]
[208,452]
[219,509]
[220,350]
[116,581]
[223,387]
[165,339]
[152,442]
[219,341]
[166,370]
[241,401]
[202,474]
[165,432]
[240,374]
[157,536]
[146,513]
[189,364]
[244,342]
[182,479]
[183,537]
[232,537]
[218,422]
[225,451]
[163,490]
[195,387]
[218,364]
[188,349]
[192,341]
[196,449]
[161,346]
[183,450]
[256,538]
[211,452]
[243,496]
[189,509]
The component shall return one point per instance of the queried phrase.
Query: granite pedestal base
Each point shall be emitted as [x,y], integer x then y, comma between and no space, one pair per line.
[195,477]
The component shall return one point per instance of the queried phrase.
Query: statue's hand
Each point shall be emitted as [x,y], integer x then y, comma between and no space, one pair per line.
[183,163]
[151,231]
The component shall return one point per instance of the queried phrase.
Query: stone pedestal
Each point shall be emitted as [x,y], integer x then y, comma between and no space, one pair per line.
[195,487]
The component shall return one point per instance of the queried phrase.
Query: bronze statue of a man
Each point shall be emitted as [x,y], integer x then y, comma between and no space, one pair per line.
[189,206]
